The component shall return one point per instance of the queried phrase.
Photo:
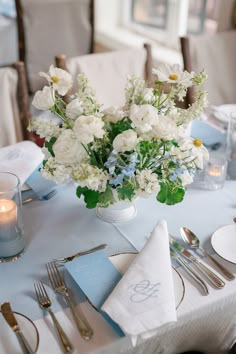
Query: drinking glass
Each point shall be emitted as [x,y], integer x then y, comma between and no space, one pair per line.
[12,241]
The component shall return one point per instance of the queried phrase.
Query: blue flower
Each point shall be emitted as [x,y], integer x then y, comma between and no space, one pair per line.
[117,180]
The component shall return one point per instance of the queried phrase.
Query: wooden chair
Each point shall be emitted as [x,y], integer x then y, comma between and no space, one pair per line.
[49,26]
[14,104]
[216,54]
[107,72]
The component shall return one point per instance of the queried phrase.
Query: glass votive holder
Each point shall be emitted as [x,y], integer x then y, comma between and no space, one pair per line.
[215,173]
[12,241]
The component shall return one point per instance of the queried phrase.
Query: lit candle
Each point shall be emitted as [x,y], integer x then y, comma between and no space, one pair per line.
[215,171]
[8,219]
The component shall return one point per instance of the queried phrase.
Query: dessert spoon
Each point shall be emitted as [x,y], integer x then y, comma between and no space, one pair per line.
[193,241]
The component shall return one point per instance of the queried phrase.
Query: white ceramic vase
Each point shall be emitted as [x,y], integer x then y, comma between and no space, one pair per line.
[117,212]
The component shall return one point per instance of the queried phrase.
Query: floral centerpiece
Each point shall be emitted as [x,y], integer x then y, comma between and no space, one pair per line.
[118,154]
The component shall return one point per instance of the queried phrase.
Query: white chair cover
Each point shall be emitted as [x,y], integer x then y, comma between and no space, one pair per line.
[107,72]
[52,27]
[217,55]
[10,125]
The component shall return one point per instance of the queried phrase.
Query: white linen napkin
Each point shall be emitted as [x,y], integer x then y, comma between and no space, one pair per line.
[144,298]
[21,159]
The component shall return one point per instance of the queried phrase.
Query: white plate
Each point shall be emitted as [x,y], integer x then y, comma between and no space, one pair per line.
[122,262]
[8,341]
[223,242]
[222,113]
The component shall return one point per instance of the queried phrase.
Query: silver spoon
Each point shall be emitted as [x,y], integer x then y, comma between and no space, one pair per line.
[193,241]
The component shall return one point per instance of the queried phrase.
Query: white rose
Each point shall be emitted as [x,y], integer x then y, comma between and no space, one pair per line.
[74,109]
[166,129]
[67,148]
[113,114]
[44,99]
[143,117]
[86,128]
[125,141]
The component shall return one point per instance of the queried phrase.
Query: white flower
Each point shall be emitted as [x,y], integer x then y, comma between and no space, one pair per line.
[74,109]
[86,128]
[61,80]
[91,177]
[67,149]
[192,150]
[44,99]
[148,181]
[46,128]
[166,129]
[56,172]
[186,178]
[148,94]
[143,117]
[125,141]
[173,74]
[113,114]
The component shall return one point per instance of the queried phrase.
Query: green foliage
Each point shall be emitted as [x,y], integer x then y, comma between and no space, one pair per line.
[49,145]
[170,193]
[106,198]
[90,197]
[126,191]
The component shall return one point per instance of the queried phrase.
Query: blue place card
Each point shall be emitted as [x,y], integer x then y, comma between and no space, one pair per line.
[40,185]
[206,133]
[97,277]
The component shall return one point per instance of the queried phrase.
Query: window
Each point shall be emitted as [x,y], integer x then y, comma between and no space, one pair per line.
[166,20]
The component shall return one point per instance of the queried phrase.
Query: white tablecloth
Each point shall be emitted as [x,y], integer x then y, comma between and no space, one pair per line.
[62,226]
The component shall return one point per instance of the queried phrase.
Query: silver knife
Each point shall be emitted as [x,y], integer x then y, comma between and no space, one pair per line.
[211,276]
[11,320]
[175,255]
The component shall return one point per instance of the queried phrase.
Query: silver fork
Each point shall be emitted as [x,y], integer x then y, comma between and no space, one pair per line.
[59,286]
[45,302]
[61,261]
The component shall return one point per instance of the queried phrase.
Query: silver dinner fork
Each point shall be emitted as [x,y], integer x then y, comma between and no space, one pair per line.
[45,302]
[61,261]
[59,286]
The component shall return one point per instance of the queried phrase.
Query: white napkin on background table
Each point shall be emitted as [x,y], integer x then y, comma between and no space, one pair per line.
[144,298]
[21,159]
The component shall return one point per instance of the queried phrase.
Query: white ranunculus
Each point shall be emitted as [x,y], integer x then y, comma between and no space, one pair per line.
[74,109]
[113,114]
[61,80]
[86,128]
[173,74]
[67,149]
[166,129]
[44,99]
[143,117]
[125,141]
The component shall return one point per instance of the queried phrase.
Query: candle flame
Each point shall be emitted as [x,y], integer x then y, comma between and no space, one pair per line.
[3,208]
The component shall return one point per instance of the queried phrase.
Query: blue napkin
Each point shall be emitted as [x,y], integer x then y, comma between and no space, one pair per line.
[206,133]
[97,277]
[39,185]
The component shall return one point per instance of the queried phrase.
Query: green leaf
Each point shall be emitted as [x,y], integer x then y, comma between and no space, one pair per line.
[105,198]
[91,197]
[170,193]
[49,145]
[118,127]
[126,191]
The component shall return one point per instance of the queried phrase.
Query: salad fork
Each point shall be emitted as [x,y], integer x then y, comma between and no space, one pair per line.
[59,286]
[45,302]
[61,261]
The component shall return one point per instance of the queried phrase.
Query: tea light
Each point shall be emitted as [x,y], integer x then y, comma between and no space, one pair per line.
[8,219]
[214,171]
